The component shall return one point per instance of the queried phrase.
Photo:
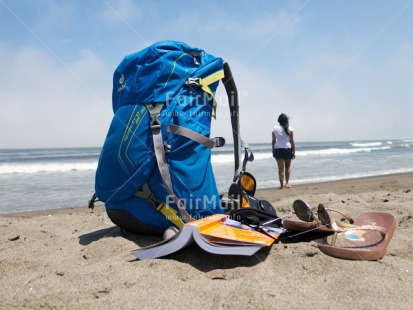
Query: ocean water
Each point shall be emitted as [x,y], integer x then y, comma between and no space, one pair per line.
[38,179]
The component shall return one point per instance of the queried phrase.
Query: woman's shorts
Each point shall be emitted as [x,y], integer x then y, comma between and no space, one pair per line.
[285,154]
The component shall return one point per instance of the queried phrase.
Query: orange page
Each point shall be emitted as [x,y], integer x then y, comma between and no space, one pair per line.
[211,226]
[208,221]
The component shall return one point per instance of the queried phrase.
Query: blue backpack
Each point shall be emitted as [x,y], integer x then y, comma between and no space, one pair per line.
[154,169]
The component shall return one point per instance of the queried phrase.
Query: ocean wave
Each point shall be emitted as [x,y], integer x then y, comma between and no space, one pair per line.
[354,176]
[308,180]
[47,156]
[229,158]
[336,151]
[367,144]
[51,167]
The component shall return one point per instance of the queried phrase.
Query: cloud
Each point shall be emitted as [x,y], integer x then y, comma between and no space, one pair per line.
[263,96]
[325,98]
[281,63]
[47,104]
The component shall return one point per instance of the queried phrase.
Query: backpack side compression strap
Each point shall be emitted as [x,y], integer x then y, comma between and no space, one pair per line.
[155,111]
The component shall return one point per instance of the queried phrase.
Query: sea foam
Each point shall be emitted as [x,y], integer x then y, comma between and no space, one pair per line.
[51,167]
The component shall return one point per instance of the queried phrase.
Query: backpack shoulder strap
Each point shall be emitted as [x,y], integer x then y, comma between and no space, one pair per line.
[154,112]
[232,94]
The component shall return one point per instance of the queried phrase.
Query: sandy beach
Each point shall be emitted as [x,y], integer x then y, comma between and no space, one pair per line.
[77,259]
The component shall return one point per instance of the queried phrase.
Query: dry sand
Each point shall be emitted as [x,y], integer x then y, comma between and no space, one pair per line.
[77,259]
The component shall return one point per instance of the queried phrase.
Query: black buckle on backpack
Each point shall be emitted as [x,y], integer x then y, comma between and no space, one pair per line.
[219,141]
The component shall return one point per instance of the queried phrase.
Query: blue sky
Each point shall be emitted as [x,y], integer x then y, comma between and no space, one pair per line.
[342,70]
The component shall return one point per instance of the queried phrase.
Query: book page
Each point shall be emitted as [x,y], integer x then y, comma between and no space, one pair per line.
[232,249]
[213,226]
[168,246]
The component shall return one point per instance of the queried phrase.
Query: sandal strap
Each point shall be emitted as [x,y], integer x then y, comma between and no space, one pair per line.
[347,217]
[380,229]
[341,226]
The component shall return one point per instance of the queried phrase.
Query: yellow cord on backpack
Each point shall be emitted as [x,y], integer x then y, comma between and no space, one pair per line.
[170,214]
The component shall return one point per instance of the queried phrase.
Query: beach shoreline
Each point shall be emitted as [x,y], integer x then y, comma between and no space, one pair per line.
[339,186]
[64,178]
[76,258]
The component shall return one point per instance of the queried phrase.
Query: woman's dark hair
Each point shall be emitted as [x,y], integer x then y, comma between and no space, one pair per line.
[284,122]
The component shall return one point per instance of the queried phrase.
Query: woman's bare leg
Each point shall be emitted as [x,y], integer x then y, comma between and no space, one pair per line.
[280,163]
[287,172]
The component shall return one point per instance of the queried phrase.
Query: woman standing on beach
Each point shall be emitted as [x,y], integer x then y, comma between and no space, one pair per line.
[283,149]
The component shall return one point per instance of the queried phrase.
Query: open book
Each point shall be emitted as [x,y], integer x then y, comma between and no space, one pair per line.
[216,234]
